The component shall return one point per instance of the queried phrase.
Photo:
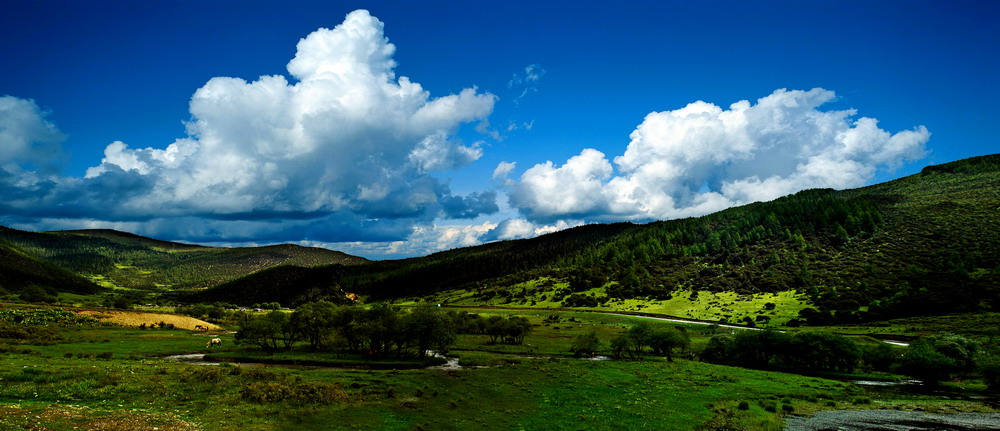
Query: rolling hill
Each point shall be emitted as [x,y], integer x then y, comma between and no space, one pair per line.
[122,260]
[20,270]
[924,244]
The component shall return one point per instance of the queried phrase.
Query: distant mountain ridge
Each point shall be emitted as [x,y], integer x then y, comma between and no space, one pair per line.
[114,259]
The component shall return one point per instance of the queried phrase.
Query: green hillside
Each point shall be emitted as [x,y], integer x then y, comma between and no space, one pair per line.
[924,244]
[286,284]
[20,271]
[125,261]
[388,279]
[921,245]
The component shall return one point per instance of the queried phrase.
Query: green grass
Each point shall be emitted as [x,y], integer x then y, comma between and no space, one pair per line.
[88,376]
[708,306]
[980,326]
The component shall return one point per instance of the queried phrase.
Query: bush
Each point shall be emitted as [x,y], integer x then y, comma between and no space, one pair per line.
[585,344]
[770,406]
[580,300]
[260,374]
[744,405]
[36,294]
[879,357]
[936,358]
[988,366]
[206,374]
[121,303]
[293,391]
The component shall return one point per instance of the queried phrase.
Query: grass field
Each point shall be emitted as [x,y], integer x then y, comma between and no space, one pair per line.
[90,375]
[711,306]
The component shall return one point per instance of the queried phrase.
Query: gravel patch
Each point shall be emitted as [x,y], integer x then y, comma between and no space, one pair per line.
[892,420]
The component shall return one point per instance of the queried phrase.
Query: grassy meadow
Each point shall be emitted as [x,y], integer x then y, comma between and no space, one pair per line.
[73,372]
[727,306]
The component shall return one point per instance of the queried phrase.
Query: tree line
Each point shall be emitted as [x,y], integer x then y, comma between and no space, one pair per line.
[375,331]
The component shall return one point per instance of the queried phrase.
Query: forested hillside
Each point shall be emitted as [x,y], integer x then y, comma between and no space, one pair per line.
[924,244]
[22,273]
[394,278]
[122,260]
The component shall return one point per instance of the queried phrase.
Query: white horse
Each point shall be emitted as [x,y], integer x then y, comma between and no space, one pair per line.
[214,342]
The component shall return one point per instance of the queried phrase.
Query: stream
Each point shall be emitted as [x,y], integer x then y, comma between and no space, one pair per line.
[192,358]
[199,359]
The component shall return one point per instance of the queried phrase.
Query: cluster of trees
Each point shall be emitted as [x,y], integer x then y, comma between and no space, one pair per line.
[803,351]
[661,341]
[939,357]
[506,330]
[376,331]
[633,343]
[930,359]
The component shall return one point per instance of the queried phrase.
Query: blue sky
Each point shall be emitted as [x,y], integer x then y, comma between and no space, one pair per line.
[528,117]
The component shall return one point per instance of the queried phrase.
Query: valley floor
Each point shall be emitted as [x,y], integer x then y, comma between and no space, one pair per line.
[101,376]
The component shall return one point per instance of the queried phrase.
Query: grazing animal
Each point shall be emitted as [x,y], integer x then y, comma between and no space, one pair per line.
[214,342]
[200,328]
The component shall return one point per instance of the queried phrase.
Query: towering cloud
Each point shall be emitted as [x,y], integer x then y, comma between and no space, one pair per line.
[702,158]
[343,152]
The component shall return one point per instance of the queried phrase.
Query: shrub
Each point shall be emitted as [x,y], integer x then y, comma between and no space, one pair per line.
[788,408]
[36,294]
[292,391]
[744,405]
[580,300]
[988,366]
[206,374]
[930,361]
[585,344]
[260,374]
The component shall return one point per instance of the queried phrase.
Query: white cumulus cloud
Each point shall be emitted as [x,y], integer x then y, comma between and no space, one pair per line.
[26,137]
[576,188]
[703,158]
[344,147]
